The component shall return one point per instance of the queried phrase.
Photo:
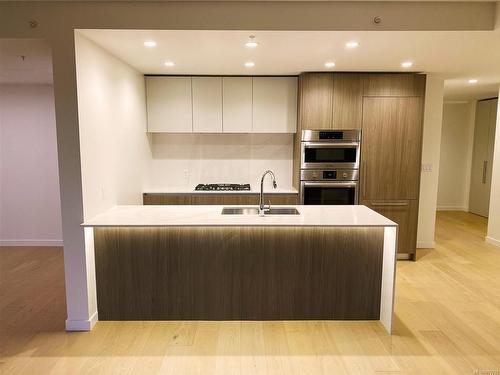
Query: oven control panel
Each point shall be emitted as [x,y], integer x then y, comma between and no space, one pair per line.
[329,174]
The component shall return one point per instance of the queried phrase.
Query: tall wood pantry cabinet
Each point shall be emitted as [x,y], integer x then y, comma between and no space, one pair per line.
[388,107]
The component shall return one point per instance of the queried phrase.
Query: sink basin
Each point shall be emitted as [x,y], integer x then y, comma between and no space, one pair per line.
[240,211]
[255,211]
[282,211]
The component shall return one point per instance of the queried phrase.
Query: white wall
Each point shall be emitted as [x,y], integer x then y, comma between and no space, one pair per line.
[180,161]
[30,212]
[457,139]
[493,234]
[114,146]
[433,121]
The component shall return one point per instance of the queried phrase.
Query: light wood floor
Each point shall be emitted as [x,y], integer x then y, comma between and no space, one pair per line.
[447,322]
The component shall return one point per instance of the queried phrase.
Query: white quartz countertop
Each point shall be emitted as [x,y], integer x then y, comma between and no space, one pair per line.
[239,192]
[206,215]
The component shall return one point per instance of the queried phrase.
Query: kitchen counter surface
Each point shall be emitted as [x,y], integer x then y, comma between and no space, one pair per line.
[207,215]
[239,192]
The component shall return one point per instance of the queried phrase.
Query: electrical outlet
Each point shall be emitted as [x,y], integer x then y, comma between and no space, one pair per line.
[427,167]
[186,176]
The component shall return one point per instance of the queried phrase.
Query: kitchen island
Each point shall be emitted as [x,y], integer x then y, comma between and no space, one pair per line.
[193,263]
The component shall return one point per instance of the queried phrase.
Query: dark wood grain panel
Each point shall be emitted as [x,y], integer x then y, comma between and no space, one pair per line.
[394,84]
[391,148]
[215,273]
[403,212]
[315,100]
[347,101]
[217,199]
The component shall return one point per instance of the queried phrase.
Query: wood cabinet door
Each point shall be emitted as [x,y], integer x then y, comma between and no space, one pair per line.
[316,100]
[207,104]
[274,105]
[347,101]
[405,214]
[237,104]
[394,84]
[391,148]
[169,104]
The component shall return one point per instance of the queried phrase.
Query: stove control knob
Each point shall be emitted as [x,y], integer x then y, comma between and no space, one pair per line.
[344,175]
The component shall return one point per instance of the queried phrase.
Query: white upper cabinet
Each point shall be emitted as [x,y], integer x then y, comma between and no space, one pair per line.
[207,104]
[237,105]
[274,104]
[169,104]
[222,104]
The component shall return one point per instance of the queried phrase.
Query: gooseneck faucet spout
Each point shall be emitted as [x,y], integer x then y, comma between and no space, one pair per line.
[262,206]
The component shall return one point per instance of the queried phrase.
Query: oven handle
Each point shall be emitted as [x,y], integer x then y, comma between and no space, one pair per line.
[331,145]
[330,184]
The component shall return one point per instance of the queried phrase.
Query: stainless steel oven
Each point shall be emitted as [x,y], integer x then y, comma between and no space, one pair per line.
[329,187]
[330,149]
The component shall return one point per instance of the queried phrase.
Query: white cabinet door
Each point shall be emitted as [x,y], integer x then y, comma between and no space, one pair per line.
[274,104]
[237,104]
[169,104]
[207,104]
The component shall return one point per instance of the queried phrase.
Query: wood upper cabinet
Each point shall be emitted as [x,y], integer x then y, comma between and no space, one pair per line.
[316,100]
[169,104]
[237,104]
[394,84]
[207,104]
[405,214]
[274,104]
[391,147]
[347,101]
[331,100]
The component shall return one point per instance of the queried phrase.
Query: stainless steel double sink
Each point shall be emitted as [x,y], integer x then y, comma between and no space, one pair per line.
[255,211]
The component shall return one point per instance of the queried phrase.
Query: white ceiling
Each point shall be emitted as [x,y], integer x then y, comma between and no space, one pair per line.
[456,55]
[36,66]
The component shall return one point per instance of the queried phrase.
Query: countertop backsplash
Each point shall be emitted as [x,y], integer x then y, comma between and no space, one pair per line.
[180,161]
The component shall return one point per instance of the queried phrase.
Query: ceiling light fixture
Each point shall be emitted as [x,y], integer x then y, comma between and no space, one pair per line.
[407,64]
[149,43]
[249,64]
[352,44]
[169,63]
[472,81]
[251,42]
[330,64]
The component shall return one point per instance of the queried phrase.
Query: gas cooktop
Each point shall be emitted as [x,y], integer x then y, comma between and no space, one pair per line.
[223,187]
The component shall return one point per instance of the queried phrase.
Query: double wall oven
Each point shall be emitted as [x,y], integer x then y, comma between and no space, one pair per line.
[329,167]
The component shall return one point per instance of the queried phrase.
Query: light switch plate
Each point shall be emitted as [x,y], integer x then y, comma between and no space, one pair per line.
[427,167]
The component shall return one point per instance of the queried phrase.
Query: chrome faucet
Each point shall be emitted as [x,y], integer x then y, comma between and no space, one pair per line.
[262,206]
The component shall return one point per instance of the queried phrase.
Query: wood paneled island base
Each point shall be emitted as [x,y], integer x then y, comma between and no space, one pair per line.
[238,273]
[195,263]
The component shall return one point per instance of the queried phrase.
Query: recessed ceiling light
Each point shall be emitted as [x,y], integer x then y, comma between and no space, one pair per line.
[149,43]
[169,63]
[330,64]
[249,64]
[251,42]
[472,81]
[352,44]
[407,64]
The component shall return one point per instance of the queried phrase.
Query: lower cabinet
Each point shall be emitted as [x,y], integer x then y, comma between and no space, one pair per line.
[216,199]
[405,214]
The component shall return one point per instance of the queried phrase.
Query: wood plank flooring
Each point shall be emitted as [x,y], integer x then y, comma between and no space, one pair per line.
[447,322]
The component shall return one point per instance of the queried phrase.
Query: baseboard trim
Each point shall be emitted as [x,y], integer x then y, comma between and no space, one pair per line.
[492,241]
[452,208]
[31,242]
[426,244]
[82,325]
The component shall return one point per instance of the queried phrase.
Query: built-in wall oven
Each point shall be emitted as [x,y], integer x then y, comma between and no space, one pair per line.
[329,172]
